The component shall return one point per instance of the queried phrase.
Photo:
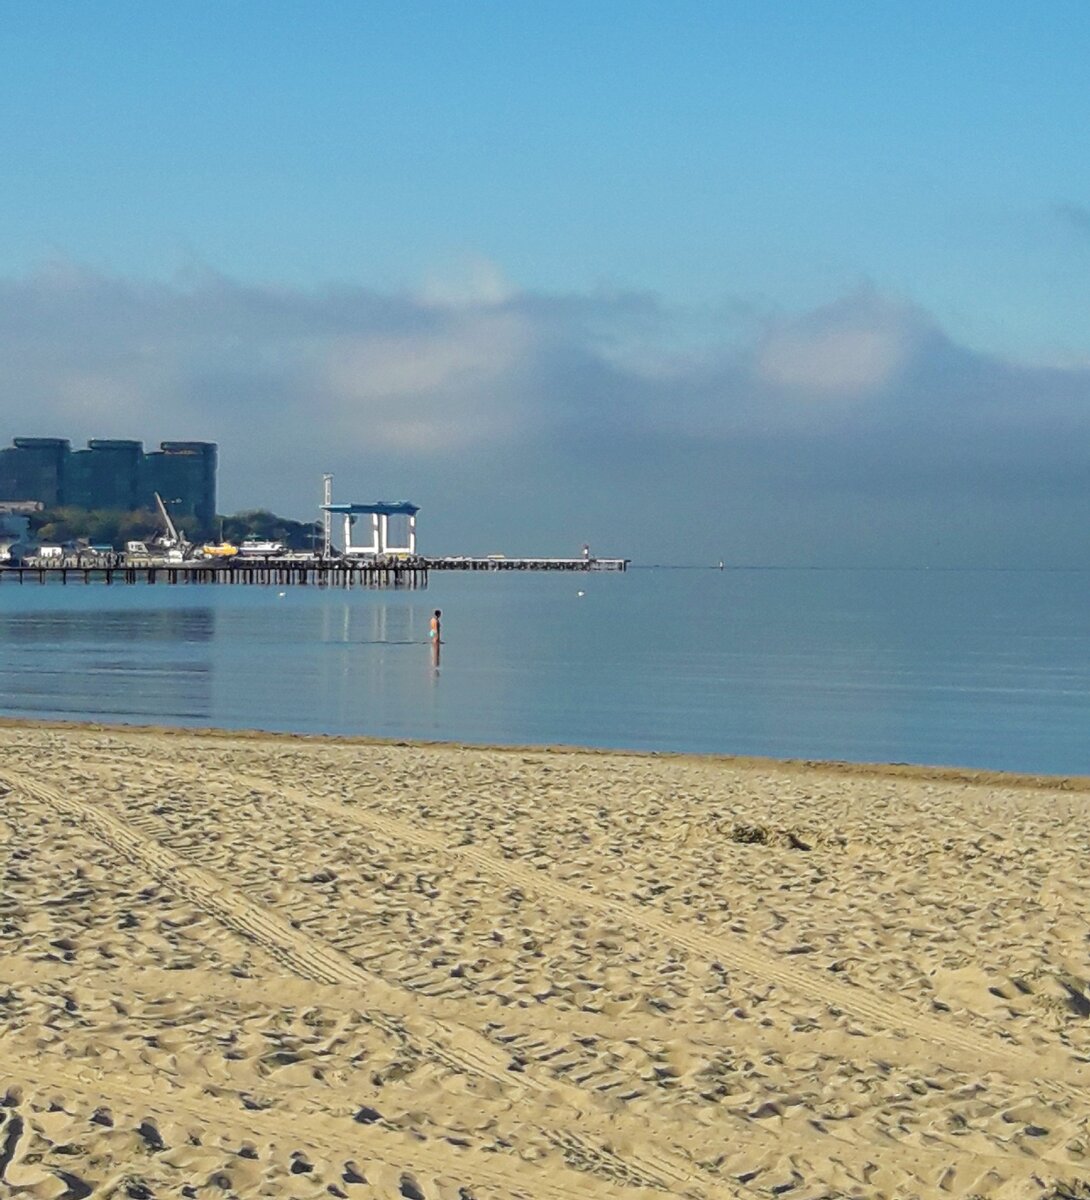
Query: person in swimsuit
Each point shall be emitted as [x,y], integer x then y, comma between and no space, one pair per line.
[434,630]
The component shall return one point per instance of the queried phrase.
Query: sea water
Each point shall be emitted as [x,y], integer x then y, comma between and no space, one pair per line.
[986,669]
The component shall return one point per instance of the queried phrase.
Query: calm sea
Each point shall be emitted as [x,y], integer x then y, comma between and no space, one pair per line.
[988,669]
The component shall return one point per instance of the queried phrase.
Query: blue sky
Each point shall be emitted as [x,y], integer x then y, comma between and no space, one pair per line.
[650,193]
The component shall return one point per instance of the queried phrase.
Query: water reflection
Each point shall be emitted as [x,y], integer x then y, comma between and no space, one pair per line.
[96,625]
[977,669]
[376,624]
[124,663]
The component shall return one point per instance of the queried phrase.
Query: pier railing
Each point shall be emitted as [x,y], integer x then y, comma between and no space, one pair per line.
[284,572]
[333,573]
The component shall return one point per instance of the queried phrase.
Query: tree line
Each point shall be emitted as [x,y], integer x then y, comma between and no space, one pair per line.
[109,527]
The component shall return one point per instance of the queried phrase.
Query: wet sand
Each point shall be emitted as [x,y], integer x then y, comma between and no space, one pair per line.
[245,965]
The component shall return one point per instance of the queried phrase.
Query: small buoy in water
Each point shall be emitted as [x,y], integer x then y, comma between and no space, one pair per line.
[580,593]
[281,594]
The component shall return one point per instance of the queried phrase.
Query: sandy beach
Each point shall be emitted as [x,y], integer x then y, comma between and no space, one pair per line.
[271,966]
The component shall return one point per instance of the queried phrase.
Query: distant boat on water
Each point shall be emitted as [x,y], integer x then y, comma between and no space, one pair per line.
[255,547]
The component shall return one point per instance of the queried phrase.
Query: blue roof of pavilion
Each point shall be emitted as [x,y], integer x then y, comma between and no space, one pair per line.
[382,508]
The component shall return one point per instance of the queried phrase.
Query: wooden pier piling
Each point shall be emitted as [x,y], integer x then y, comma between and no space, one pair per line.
[332,573]
[288,572]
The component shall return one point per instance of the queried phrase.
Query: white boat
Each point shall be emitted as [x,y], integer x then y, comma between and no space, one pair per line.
[255,547]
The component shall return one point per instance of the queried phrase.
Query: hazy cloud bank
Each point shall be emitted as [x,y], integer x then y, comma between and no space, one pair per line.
[856,432]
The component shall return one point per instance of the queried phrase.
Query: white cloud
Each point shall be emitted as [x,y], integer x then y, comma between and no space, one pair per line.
[470,283]
[427,390]
[847,362]
[848,349]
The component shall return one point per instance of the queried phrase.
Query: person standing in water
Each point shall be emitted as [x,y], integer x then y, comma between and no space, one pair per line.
[435,637]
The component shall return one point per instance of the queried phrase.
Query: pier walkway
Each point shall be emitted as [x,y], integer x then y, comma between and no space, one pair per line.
[283,572]
[496,562]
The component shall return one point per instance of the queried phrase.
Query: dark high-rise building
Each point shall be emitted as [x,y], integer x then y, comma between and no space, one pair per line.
[184,474]
[105,475]
[34,469]
[113,474]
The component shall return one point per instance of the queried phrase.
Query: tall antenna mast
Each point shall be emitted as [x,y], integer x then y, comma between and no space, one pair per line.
[327,516]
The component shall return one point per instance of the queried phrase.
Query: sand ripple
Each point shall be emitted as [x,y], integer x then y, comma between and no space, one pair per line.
[279,967]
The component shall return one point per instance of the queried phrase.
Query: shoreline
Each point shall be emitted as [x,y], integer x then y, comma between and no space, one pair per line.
[972,776]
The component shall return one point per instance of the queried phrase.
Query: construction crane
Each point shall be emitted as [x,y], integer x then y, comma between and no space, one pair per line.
[172,540]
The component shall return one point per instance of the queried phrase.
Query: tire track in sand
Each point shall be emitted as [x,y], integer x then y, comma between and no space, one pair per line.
[651,1166]
[929,1162]
[301,953]
[337,1136]
[961,1046]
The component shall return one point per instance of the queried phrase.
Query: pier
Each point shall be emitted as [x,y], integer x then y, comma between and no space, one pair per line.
[388,557]
[496,562]
[356,571]
[270,572]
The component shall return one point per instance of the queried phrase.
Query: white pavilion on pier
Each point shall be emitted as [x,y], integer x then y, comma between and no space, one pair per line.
[380,513]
